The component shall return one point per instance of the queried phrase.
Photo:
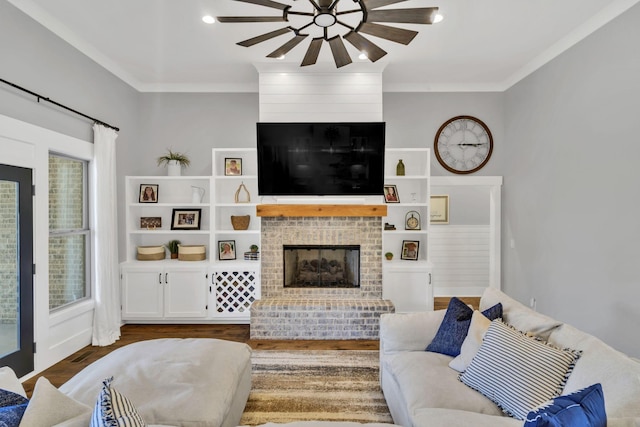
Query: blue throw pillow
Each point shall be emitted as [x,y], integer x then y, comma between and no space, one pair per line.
[12,407]
[455,325]
[584,408]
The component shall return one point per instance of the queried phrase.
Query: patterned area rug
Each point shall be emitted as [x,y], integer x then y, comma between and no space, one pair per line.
[325,385]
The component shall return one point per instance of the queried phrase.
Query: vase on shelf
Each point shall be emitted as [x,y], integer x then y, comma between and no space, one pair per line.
[400,168]
[174,168]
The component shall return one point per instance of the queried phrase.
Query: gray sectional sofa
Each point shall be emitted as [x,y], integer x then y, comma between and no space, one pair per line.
[422,390]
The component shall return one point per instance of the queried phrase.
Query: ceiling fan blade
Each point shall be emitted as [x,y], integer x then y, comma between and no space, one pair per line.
[264,37]
[398,35]
[313,51]
[365,46]
[374,4]
[267,3]
[340,54]
[420,15]
[282,50]
[251,19]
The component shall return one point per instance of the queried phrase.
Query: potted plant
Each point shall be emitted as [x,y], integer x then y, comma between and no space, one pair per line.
[389,256]
[253,248]
[174,162]
[173,248]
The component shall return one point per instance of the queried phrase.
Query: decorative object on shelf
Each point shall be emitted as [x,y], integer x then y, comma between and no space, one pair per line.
[148,193]
[197,193]
[400,168]
[150,253]
[192,253]
[253,248]
[391,194]
[252,256]
[463,144]
[232,166]
[174,161]
[412,220]
[242,188]
[324,23]
[240,222]
[389,256]
[150,222]
[388,226]
[410,250]
[226,250]
[185,219]
[439,209]
[173,248]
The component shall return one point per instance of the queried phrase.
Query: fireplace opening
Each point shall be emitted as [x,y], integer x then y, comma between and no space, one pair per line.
[321,266]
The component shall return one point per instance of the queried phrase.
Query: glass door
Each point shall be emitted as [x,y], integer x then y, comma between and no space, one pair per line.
[16,269]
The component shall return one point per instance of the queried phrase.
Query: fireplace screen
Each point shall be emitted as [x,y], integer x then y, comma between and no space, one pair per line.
[322,266]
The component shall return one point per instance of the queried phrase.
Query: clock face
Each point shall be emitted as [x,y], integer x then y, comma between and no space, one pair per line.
[413,222]
[463,144]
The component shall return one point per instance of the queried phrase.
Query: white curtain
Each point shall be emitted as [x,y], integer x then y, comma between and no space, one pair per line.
[106,319]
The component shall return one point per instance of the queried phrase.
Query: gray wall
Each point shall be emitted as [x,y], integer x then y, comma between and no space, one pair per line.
[570,198]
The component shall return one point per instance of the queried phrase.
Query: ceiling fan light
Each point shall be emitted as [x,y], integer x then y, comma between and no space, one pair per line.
[208,19]
[281,57]
[363,56]
[437,18]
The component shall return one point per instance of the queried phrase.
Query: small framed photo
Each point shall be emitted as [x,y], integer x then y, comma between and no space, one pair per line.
[410,250]
[185,219]
[226,249]
[232,166]
[391,194]
[150,222]
[439,209]
[148,193]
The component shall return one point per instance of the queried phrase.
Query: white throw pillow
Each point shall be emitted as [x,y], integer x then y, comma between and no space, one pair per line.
[49,406]
[9,381]
[471,344]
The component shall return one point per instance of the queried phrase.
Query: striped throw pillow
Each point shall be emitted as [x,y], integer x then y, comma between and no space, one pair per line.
[114,410]
[516,371]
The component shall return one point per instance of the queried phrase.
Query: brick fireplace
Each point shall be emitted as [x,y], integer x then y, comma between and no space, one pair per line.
[320,312]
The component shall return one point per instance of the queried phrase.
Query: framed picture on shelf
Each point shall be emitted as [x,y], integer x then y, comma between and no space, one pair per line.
[391,194]
[439,209]
[226,249]
[232,166]
[148,193]
[185,219]
[150,222]
[410,250]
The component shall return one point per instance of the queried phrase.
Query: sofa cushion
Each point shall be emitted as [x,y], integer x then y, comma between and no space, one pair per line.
[12,407]
[518,315]
[426,381]
[584,408]
[113,409]
[439,417]
[408,331]
[454,327]
[516,371]
[618,373]
[49,406]
[471,344]
[9,381]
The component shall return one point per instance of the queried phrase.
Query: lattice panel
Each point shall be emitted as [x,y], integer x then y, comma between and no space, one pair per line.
[235,291]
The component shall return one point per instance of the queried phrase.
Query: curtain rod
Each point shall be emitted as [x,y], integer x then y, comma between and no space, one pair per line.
[44,98]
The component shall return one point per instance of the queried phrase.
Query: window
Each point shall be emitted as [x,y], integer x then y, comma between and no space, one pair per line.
[69,234]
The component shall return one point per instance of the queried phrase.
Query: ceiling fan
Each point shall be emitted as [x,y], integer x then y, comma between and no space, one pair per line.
[324,15]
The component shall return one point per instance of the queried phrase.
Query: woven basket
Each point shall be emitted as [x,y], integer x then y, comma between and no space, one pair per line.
[240,222]
[191,252]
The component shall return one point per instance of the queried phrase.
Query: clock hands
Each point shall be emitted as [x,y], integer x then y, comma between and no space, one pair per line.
[465,144]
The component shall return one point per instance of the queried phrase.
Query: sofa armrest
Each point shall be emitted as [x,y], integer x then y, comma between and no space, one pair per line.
[408,331]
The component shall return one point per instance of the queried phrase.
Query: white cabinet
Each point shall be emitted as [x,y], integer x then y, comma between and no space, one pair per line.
[407,282]
[164,290]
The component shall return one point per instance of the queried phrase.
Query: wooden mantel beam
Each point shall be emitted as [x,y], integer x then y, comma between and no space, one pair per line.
[320,210]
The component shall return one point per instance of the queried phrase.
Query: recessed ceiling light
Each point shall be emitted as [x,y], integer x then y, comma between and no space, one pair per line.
[208,19]
[438,18]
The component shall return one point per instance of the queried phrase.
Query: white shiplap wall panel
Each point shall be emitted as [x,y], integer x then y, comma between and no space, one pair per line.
[461,259]
[320,97]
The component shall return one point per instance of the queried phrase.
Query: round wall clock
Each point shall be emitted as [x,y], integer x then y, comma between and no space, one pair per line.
[463,144]
[412,220]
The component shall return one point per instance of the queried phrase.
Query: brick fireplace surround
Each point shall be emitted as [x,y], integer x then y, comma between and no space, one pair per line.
[319,313]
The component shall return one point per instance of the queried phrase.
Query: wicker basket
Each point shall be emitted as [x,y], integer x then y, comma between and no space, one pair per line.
[150,253]
[191,252]
[240,222]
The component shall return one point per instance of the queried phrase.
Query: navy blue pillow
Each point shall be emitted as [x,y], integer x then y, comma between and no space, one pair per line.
[584,408]
[455,325]
[12,407]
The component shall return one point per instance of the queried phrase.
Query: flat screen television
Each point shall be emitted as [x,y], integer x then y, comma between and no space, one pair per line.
[321,159]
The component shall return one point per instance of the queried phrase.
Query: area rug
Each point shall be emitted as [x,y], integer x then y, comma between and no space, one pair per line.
[325,385]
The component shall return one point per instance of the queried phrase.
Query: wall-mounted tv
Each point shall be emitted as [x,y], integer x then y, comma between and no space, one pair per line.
[320,159]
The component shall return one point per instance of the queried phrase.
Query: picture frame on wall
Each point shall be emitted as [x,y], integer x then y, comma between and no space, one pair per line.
[148,193]
[439,209]
[226,250]
[410,250]
[185,219]
[391,194]
[233,166]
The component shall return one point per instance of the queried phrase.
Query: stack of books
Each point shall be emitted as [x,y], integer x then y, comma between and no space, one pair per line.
[252,256]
